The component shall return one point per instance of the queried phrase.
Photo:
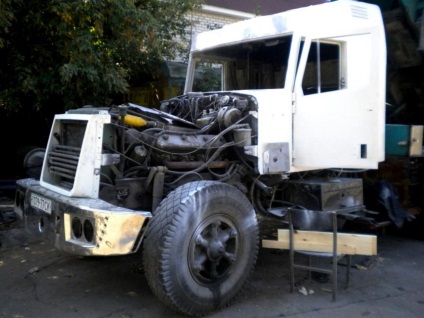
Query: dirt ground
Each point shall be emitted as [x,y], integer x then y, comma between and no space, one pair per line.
[38,281]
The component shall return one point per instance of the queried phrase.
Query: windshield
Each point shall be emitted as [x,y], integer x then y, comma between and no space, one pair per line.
[260,64]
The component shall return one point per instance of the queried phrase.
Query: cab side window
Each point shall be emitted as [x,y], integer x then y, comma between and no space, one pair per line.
[322,73]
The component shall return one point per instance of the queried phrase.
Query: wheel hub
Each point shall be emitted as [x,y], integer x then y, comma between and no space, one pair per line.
[213,251]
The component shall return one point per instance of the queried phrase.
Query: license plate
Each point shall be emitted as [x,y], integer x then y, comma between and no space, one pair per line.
[41,203]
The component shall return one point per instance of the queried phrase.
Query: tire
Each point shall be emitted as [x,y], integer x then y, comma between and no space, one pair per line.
[200,247]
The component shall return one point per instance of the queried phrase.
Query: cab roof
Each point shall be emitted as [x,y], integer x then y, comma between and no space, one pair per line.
[336,18]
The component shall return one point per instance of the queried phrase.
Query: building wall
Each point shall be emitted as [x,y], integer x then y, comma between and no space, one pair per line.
[206,20]
[265,7]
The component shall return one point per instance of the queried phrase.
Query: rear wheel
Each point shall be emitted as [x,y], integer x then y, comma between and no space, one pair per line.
[200,247]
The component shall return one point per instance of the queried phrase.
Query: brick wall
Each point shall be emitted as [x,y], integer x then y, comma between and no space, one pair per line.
[204,21]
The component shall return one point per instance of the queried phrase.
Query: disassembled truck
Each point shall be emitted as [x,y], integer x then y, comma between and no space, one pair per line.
[302,93]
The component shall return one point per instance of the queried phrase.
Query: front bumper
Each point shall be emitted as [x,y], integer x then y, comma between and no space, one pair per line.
[81,226]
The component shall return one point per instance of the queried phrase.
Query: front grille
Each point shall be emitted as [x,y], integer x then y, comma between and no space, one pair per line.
[74,154]
[63,162]
[63,157]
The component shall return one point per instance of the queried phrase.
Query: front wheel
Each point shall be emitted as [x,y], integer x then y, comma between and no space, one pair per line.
[200,247]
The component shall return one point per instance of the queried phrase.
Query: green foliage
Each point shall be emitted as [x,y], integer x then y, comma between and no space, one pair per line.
[208,77]
[60,54]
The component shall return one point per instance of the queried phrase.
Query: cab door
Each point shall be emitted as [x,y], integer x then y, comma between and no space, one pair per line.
[338,120]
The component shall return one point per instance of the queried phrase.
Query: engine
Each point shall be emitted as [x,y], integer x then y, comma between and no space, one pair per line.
[197,136]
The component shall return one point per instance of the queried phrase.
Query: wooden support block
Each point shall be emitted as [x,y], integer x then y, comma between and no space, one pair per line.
[347,243]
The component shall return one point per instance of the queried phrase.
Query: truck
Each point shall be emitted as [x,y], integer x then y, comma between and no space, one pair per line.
[296,99]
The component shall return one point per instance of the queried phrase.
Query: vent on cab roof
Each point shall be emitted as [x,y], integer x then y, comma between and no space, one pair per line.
[359,12]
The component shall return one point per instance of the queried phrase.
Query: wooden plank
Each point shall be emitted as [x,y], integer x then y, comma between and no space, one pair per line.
[347,243]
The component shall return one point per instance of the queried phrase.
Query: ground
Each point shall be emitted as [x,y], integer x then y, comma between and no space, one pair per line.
[39,281]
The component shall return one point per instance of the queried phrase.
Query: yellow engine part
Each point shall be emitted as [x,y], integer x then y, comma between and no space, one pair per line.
[134,121]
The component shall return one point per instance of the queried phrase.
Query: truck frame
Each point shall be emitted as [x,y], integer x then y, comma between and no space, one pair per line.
[295,99]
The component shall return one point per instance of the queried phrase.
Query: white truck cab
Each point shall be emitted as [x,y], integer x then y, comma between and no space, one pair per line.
[319,75]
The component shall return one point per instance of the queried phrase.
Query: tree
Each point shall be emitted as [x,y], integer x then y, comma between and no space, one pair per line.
[60,54]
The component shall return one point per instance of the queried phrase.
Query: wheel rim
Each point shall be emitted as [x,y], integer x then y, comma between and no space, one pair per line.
[213,249]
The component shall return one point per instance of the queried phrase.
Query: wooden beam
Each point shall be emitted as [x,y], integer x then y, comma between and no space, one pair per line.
[347,243]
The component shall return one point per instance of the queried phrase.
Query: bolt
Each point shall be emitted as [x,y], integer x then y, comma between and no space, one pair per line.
[201,241]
